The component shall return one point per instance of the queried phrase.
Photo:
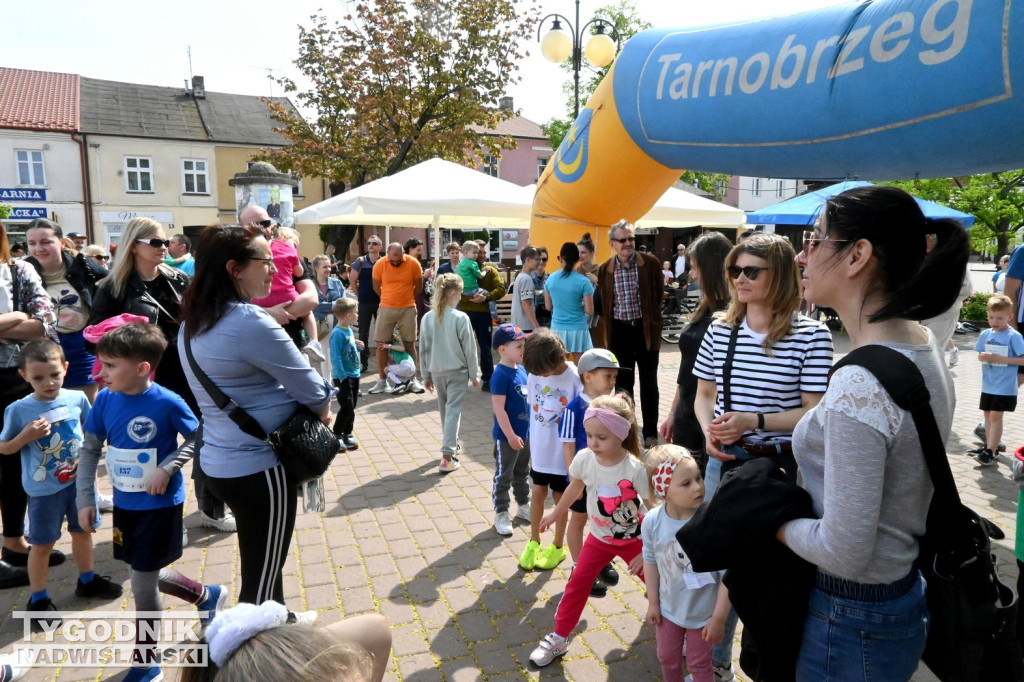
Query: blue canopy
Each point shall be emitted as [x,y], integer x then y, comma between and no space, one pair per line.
[802,210]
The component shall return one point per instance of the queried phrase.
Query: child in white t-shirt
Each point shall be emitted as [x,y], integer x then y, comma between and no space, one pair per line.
[617,487]
[551,384]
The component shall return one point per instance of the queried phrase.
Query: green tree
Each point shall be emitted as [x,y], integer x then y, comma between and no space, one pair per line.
[996,200]
[5,211]
[396,83]
[628,23]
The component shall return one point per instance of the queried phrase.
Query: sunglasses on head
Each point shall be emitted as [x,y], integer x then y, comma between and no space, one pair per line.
[155,243]
[624,240]
[750,272]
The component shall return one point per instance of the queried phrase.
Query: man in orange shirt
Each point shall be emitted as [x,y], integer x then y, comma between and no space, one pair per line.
[396,279]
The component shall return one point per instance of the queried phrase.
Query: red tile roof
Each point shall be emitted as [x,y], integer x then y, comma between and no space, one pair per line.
[38,100]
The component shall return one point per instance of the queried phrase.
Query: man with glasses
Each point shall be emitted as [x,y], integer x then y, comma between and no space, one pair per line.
[634,285]
[369,301]
[478,310]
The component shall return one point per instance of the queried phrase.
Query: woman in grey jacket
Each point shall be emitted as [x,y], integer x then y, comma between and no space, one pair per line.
[249,357]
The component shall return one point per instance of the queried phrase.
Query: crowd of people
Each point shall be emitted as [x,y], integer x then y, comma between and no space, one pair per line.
[753,386]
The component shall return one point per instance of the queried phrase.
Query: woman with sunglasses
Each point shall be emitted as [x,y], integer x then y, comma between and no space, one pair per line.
[70,280]
[141,284]
[777,371]
[97,255]
[860,453]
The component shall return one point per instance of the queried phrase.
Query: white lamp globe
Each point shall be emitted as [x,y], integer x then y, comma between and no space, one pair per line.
[556,46]
[600,50]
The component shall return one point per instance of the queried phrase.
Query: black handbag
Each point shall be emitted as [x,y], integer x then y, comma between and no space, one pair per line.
[973,615]
[304,445]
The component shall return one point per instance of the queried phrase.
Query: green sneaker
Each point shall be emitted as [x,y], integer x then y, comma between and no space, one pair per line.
[528,559]
[551,557]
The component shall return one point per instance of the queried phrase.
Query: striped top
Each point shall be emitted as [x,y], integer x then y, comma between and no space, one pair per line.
[799,363]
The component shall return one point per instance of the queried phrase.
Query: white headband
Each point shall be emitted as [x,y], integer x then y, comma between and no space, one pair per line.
[235,626]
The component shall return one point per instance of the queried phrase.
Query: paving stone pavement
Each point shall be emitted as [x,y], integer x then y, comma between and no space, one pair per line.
[400,539]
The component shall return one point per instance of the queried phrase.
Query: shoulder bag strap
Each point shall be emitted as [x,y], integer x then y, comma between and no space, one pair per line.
[233,410]
[15,287]
[727,369]
[903,381]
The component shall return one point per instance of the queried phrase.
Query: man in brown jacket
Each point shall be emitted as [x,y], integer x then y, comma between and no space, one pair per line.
[632,287]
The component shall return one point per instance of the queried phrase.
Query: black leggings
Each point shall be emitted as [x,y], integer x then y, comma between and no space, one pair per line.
[13,500]
[264,507]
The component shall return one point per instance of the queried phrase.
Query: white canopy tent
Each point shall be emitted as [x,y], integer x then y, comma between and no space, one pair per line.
[430,194]
[679,208]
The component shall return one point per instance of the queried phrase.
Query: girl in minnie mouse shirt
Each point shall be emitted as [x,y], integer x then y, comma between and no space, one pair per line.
[617,486]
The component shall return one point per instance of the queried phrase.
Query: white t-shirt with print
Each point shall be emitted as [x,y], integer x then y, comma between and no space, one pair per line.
[615,496]
[547,398]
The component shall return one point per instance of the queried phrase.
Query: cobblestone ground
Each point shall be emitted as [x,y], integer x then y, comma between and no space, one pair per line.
[400,539]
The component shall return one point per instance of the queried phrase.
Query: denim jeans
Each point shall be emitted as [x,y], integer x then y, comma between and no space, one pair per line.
[850,640]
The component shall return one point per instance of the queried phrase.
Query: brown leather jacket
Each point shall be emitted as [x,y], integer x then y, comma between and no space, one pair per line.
[652,290]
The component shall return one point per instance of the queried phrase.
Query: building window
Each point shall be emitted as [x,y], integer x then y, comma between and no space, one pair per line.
[541,165]
[755,187]
[30,168]
[138,173]
[778,188]
[194,177]
[297,192]
[491,165]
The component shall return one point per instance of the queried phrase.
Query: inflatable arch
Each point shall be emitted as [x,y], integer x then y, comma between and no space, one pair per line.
[880,90]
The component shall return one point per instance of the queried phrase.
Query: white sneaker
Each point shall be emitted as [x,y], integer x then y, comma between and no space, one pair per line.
[225,524]
[18,670]
[104,502]
[954,355]
[315,351]
[523,512]
[502,523]
[304,617]
[378,387]
[550,648]
[416,387]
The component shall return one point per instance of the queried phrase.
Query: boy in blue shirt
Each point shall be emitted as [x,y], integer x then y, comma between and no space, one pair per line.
[141,421]
[511,428]
[345,370]
[1000,350]
[46,429]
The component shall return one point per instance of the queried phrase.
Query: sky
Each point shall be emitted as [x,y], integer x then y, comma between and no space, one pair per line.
[236,45]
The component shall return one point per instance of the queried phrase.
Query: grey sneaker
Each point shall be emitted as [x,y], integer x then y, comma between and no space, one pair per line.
[502,523]
[954,355]
[550,648]
[378,387]
[416,387]
[723,672]
[523,512]
[979,431]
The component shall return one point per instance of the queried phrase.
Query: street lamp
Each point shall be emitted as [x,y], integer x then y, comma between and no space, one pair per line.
[558,45]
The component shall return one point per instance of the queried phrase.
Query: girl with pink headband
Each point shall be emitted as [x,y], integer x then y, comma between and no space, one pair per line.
[616,484]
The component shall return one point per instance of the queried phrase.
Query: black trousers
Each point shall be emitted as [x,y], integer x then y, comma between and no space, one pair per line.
[264,507]
[13,500]
[629,346]
[367,312]
[348,396]
[482,328]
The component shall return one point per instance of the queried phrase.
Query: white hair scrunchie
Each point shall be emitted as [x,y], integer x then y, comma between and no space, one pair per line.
[233,627]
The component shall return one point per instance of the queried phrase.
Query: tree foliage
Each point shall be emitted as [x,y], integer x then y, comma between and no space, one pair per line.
[996,200]
[5,211]
[396,83]
[628,23]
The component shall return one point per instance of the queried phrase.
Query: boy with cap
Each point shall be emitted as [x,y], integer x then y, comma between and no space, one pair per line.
[511,428]
[598,370]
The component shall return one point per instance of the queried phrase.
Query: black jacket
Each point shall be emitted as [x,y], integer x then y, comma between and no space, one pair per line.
[82,274]
[135,301]
[768,584]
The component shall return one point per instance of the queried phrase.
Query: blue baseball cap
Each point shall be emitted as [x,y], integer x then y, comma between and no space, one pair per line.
[506,333]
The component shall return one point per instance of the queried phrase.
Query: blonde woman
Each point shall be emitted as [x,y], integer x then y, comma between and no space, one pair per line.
[750,399]
[141,284]
[448,361]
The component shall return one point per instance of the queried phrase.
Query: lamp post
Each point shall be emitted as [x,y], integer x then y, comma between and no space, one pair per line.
[558,45]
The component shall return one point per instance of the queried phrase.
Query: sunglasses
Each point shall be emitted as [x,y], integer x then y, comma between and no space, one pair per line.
[750,272]
[102,257]
[624,240]
[811,240]
[155,243]
[374,243]
[262,223]
[543,260]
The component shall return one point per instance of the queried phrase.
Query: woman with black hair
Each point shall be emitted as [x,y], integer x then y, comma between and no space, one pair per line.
[860,454]
[589,267]
[570,298]
[250,358]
